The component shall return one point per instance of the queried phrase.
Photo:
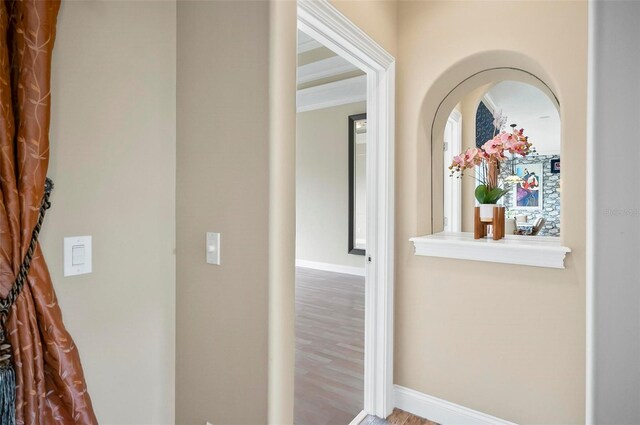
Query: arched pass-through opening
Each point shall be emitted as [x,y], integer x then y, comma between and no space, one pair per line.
[473,90]
[462,77]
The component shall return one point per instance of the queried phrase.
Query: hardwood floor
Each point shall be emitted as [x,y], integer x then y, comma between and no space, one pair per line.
[398,417]
[329,387]
[329,381]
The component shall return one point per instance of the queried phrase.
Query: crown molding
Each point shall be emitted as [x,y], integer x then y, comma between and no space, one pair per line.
[341,92]
[324,68]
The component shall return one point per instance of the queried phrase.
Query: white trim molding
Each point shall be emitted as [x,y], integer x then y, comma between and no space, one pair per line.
[491,105]
[538,251]
[328,267]
[324,68]
[441,411]
[323,22]
[452,187]
[341,35]
[359,418]
[341,92]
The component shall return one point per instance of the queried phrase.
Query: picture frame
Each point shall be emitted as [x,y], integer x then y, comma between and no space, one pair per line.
[555,166]
[528,194]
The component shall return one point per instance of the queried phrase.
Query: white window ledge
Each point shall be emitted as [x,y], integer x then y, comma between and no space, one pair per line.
[538,251]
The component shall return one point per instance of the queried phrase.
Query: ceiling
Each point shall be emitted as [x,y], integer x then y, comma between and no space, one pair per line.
[324,78]
[306,43]
[531,109]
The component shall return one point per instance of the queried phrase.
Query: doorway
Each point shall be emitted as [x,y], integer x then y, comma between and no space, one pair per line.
[330,279]
[324,24]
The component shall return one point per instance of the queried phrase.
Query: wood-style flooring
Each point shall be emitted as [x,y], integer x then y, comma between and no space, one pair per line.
[329,379]
[398,417]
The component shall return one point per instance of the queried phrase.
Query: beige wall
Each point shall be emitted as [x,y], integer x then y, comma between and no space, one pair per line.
[113,163]
[222,186]
[465,332]
[282,209]
[504,340]
[377,18]
[322,185]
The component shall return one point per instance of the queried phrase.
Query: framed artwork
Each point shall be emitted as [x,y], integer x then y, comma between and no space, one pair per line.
[555,166]
[528,193]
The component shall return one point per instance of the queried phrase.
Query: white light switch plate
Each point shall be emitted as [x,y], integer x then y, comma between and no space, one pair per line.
[213,248]
[77,255]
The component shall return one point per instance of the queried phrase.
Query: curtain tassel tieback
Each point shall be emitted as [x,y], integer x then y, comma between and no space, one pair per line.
[7,387]
[7,374]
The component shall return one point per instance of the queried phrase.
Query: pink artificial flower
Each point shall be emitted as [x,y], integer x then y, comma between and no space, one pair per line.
[472,157]
[517,143]
[505,137]
[509,141]
[494,146]
[518,146]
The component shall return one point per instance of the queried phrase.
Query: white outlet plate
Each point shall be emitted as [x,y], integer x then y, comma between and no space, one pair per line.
[213,248]
[77,255]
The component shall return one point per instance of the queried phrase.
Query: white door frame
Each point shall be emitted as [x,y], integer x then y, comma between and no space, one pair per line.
[322,21]
[452,187]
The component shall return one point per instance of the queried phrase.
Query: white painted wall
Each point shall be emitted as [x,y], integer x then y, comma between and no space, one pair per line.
[614,214]
[322,185]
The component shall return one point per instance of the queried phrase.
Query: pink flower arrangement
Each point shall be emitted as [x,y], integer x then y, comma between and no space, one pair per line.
[489,156]
[493,151]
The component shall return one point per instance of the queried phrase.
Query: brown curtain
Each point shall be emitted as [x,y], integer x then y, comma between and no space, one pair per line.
[50,384]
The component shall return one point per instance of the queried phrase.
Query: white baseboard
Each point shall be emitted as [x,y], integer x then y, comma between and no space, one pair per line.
[336,268]
[359,418]
[441,411]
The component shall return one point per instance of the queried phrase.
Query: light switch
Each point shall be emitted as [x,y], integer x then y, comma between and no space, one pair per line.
[77,255]
[213,248]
